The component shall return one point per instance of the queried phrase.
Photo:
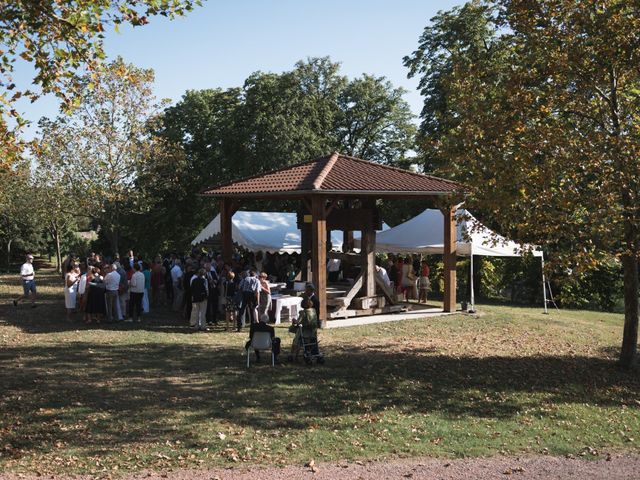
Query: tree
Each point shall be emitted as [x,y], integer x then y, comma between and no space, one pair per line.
[275,120]
[374,122]
[63,42]
[19,219]
[546,116]
[102,144]
[56,201]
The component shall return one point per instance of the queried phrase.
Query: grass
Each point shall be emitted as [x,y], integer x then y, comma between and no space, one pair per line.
[104,400]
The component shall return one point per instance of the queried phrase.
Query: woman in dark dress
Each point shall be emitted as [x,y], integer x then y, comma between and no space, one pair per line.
[96,306]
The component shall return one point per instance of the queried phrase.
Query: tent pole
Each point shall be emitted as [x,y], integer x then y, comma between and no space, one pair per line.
[473,299]
[544,288]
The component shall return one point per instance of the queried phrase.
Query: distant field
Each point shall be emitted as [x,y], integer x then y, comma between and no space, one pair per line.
[78,399]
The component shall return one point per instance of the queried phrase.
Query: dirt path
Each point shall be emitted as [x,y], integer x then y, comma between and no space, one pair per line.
[616,467]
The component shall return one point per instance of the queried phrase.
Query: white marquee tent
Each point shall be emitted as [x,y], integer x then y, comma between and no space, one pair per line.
[273,232]
[425,234]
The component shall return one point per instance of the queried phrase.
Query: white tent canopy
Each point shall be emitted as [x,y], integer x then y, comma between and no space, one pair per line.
[273,232]
[425,234]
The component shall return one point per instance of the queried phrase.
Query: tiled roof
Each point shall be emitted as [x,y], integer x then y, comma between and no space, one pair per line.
[336,173]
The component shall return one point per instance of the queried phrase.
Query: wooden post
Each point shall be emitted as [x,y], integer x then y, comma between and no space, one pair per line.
[305,242]
[227,209]
[450,258]
[367,252]
[347,235]
[319,253]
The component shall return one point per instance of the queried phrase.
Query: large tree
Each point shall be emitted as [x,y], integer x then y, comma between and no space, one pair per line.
[271,121]
[103,143]
[542,119]
[61,41]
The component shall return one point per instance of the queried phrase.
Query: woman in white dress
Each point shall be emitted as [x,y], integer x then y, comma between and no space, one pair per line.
[408,279]
[71,288]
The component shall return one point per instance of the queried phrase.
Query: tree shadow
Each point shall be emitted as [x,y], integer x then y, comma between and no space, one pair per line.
[92,397]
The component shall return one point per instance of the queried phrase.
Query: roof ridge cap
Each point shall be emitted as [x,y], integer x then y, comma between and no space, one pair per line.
[317,183]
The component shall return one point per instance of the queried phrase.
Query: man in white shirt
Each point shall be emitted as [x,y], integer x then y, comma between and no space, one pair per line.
[382,272]
[176,280]
[112,283]
[333,267]
[28,282]
[136,289]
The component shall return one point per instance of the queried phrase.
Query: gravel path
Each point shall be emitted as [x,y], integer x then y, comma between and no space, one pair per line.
[616,467]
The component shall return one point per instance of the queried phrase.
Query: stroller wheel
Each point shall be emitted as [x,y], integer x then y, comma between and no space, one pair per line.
[307,360]
[320,360]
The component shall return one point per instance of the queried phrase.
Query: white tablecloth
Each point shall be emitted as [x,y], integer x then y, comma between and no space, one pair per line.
[293,303]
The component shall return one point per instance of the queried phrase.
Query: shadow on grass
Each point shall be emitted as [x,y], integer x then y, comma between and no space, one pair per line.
[94,397]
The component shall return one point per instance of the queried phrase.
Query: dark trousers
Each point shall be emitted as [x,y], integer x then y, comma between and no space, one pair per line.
[135,300]
[168,289]
[212,307]
[248,301]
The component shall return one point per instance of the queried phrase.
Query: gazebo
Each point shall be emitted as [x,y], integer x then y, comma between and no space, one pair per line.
[338,192]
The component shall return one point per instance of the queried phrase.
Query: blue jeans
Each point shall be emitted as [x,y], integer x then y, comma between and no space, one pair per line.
[29,286]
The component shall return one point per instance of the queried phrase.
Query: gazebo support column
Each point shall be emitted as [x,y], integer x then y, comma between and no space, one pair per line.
[227,208]
[450,258]
[347,235]
[368,247]
[319,253]
[305,248]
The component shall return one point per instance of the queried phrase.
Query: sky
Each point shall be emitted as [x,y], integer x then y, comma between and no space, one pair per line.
[221,43]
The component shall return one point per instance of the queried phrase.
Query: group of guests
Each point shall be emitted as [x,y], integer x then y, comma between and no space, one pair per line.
[199,287]
[408,277]
[111,290]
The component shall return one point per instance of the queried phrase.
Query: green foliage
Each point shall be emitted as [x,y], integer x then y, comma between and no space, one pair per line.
[214,136]
[20,228]
[537,109]
[101,147]
[63,42]
[597,289]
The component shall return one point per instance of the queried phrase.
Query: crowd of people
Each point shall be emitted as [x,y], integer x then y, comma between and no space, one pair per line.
[200,287]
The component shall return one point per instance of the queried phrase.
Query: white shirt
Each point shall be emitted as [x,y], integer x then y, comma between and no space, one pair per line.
[112,281]
[26,271]
[383,274]
[250,284]
[333,265]
[137,282]
[176,274]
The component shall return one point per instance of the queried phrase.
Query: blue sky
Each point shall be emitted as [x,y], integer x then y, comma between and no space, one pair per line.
[223,42]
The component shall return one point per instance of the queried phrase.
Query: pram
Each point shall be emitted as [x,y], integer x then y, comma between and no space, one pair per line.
[309,346]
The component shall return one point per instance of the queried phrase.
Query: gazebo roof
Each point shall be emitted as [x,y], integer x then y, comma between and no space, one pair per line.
[339,175]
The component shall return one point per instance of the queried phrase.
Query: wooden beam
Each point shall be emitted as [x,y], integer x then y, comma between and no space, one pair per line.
[450,258]
[319,253]
[346,300]
[305,249]
[386,290]
[367,252]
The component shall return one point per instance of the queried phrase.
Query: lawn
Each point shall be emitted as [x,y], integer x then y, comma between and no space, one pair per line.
[78,399]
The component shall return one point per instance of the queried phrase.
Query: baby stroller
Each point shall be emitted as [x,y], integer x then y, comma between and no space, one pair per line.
[308,343]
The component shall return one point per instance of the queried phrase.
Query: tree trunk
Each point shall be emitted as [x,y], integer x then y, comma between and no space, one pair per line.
[56,237]
[630,334]
[9,255]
